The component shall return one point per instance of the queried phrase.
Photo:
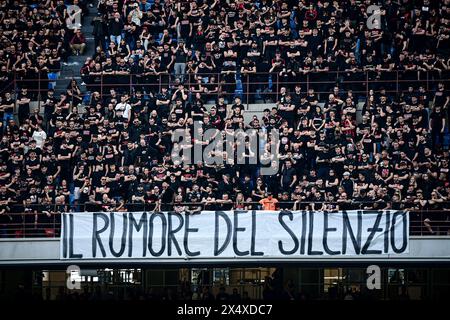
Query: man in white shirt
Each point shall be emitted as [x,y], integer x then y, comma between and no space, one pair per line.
[39,136]
[123,108]
[135,14]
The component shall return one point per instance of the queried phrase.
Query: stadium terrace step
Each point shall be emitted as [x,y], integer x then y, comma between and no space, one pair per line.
[74,64]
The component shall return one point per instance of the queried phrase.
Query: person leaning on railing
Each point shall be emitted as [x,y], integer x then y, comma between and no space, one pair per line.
[269,202]
[5,217]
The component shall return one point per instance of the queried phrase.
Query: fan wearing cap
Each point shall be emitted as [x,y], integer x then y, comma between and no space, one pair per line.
[347,183]
[269,202]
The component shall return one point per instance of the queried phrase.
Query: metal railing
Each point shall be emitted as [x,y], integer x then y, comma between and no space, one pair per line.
[36,222]
[264,86]
[268,85]
[38,87]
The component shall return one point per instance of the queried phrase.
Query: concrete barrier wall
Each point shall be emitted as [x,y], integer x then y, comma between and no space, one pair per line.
[423,249]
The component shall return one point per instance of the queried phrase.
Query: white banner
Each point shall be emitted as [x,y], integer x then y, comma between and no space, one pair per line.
[233,234]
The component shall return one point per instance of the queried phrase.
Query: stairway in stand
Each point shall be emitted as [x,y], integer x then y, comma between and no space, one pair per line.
[74,64]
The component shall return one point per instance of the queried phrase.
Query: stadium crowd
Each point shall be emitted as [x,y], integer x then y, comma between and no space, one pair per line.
[112,151]
[210,44]
[36,38]
[273,288]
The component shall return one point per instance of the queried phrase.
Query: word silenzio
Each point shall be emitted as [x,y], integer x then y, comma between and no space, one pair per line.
[232,234]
